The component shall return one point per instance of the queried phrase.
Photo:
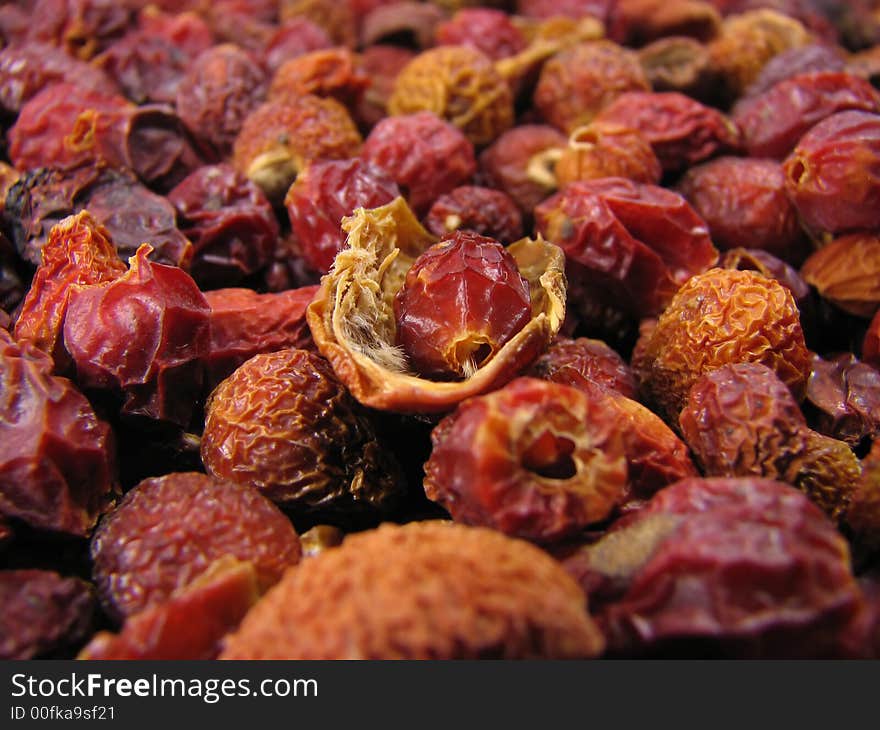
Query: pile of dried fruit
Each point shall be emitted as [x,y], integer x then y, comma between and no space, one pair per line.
[382,329]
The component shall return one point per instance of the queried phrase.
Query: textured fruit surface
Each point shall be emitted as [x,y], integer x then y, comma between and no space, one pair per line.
[283,424]
[168,530]
[421,591]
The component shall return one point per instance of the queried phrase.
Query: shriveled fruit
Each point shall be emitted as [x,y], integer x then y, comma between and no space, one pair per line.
[681,130]
[278,139]
[425,155]
[323,194]
[245,323]
[330,72]
[57,459]
[353,323]
[846,272]
[143,336]
[230,223]
[168,530]
[571,362]
[79,251]
[603,149]
[720,317]
[283,424]
[723,567]
[634,243]
[831,176]
[460,592]
[43,613]
[536,460]
[486,211]
[741,420]
[190,623]
[488,30]
[578,82]
[458,84]
[462,300]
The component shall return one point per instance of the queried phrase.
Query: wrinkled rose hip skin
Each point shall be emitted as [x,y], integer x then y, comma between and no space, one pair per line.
[846,272]
[57,460]
[722,568]
[461,301]
[718,317]
[425,590]
[323,194]
[143,335]
[284,425]
[535,460]
[482,210]
[168,530]
[833,174]
[741,420]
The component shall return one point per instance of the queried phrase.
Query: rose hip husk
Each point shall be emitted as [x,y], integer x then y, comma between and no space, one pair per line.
[462,300]
[324,193]
[168,530]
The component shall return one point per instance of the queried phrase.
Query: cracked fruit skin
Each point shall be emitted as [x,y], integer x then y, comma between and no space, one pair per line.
[718,317]
[461,301]
[284,425]
[425,590]
[168,531]
[535,460]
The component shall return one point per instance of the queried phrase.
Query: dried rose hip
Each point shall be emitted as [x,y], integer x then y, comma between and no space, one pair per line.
[57,469]
[293,38]
[515,163]
[278,139]
[747,41]
[481,210]
[337,19]
[647,20]
[845,272]
[144,336]
[27,69]
[843,398]
[283,424]
[607,149]
[678,63]
[863,515]
[221,88]
[354,324]
[43,613]
[724,567]
[245,323]
[462,592]
[149,62]
[189,624]
[231,224]
[334,72]
[486,29]
[635,243]
[79,251]
[720,317]
[425,155]
[66,125]
[382,63]
[744,203]
[462,301]
[458,84]
[535,460]
[681,130]
[82,27]
[742,420]
[807,59]
[577,83]
[403,22]
[168,530]
[571,362]
[871,342]
[773,122]
[324,193]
